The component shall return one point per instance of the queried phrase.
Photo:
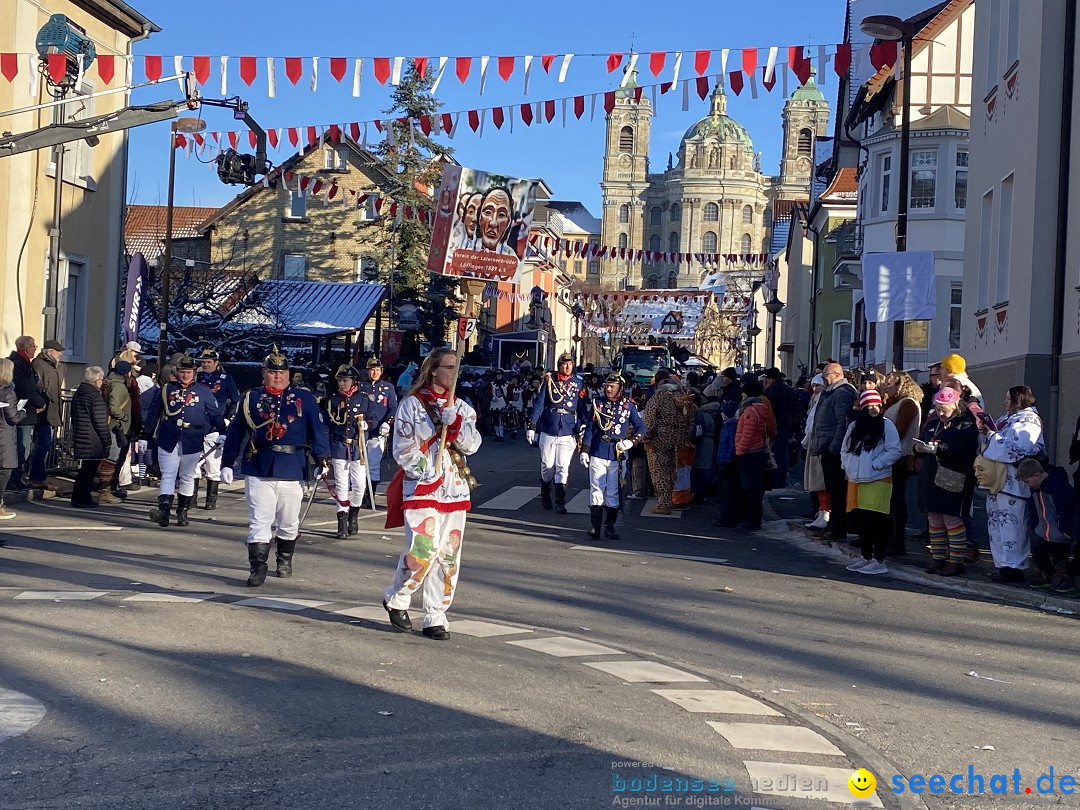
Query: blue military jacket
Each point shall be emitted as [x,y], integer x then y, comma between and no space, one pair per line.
[225,390]
[558,405]
[343,413]
[384,402]
[184,415]
[289,420]
[608,423]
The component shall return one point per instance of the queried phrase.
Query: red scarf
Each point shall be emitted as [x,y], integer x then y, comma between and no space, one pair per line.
[430,397]
[25,356]
[277,392]
[562,377]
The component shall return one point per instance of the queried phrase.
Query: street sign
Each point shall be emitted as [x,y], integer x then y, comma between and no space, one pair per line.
[466,328]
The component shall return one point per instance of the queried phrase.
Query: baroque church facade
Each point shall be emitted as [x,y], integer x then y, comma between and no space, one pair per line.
[713,199]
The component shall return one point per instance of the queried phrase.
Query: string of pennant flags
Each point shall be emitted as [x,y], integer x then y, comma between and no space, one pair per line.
[388,69]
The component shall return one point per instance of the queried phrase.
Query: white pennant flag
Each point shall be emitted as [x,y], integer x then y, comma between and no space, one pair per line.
[438,76]
[565,66]
[322,137]
[224,76]
[770,66]
[564,113]
[480,131]
[314,73]
[271,77]
[395,71]
[364,142]
[723,62]
[675,72]
[483,72]
[528,71]
[784,74]
[821,60]
[653,94]
[592,106]
[753,84]
[630,68]
[685,95]
[453,129]
[391,133]
[128,77]
[357,73]
[178,67]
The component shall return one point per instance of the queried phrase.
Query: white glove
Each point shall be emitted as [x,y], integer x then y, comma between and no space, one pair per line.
[220,439]
[530,436]
[584,460]
[447,417]
[625,445]
[384,429]
[226,475]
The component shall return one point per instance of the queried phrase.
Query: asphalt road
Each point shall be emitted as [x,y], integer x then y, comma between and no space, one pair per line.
[211,703]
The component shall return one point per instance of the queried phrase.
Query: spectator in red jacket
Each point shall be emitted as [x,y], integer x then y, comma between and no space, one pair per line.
[755,428]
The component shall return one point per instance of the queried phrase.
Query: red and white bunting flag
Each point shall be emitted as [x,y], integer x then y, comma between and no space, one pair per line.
[497,117]
[549,110]
[272,138]
[546,61]
[248,69]
[420,64]
[224,75]
[462,66]
[9,67]
[883,54]
[842,59]
[613,62]
[395,72]
[106,67]
[316,187]
[483,72]
[656,62]
[609,101]
[314,74]
[151,67]
[701,61]
[526,114]
[381,68]
[439,74]
[294,136]
[770,68]
[233,139]
[565,66]
[579,106]
[528,60]
[735,82]
[506,67]
[200,67]
[338,66]
[312,136]
[702,86]
[749,61]
[252,139]
[357,76]
[294,69]
[333,192]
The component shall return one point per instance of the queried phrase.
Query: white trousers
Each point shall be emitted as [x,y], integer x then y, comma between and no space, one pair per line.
[177,472]
[374,457]
[211,466]
[273,508]
[350,481]
[604,482]
[430,562]
[1009,539]
[556,453]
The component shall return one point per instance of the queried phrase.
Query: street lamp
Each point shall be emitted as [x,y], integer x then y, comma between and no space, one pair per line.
[893,29]
[773,307]
[186,125]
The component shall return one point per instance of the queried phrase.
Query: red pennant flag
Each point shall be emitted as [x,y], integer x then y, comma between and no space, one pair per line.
[547,61]
[379,126]
[56,66]
[333,134]
[462,66]
[637,93]
[842,60]
[526,114]
[199,139]
[272,137]
[378,205]
[735,81]
[338,66]
[769,84]
[613,62]
[425,124]
[294,68]
[252,139]
[609,101]
[749,60]
[312,136]
[9,66]
[549,109]
[474,120]
[701,61]
[665,88]
[882,54]
[233,139]
[288,176]
[180,141]
[656,62]
[506,67]
[382,69]
[106,67]
[799,64]
[354,130]
[579,106]
[393,209]
[152,67]
[703,86]
[316,188]
[333,192]
[447,122]
[304,183]
[248,69]
[201,67]
[497,117]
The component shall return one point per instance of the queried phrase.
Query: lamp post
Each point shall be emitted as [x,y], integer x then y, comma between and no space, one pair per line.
[773,306]
[753,332]
[893,29]
[187,125]
[577,311]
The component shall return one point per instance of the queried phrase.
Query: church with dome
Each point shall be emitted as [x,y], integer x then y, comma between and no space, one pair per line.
[711,198]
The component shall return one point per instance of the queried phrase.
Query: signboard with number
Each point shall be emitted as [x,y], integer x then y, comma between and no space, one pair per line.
[466,328]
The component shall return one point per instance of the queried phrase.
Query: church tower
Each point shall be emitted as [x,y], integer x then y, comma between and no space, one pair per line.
[626,166]
[806,117]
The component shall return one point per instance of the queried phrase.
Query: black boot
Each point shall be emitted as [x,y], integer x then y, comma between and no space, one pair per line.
[611,514]
[342,525]
[258,554]
[354,526]
[559,499]
[211,494]
[183,503]
[285,550]
[545,494]
[160,515]
[194,495]
[596,515]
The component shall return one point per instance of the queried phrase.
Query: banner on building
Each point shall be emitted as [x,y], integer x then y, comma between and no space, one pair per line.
[899,286]
[138,279]
[391,345]
[481,225]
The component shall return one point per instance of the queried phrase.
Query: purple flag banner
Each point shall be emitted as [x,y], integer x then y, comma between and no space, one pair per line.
[138,278]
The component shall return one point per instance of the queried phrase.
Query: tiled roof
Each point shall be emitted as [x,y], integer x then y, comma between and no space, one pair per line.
[844,185]
[144,227]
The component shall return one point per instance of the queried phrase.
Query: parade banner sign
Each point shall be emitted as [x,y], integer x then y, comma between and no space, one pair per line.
[481,225]
[138,276]
[391,345]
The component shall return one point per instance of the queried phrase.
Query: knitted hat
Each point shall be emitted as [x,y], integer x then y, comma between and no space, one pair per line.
[870,397]
[946,396]
[954,364]
[818,380]
[730,373]
[122,367]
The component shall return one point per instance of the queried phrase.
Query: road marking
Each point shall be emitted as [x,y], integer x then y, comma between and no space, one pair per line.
[771,737]
[169,597]
[18,713]
[716,560]
[36,529]
[563,647]
[710,538]
[716,701]
[281,603]
[472,627]
[646,511]
[579,504]
[370,612]
[644,671]
[512,499]
[786,780]
[66,596]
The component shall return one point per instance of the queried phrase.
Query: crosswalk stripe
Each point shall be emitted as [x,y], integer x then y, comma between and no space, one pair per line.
[788,780]
[66,596]
[690,557]
[647,511]
[643,671]
[563,647]
[472,627]
[370,612]
[169,597]
[512,499]
[280,603]
[772,737]
[716,701]
[579,504]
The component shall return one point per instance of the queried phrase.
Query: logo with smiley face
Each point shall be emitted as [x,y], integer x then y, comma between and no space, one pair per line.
[861,783]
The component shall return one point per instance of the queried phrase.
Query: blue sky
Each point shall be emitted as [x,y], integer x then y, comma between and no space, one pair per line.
[569,159]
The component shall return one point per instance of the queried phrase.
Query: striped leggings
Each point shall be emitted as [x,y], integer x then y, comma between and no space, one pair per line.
[948,537]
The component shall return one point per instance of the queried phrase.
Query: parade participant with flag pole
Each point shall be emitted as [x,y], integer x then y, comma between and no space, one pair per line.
[228,397]
[380,421]
[347,412]
[554,417]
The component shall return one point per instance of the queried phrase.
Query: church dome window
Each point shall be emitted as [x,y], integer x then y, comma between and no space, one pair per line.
[745,243]
[626,139]
[748,215]
[711,212]
[708,242]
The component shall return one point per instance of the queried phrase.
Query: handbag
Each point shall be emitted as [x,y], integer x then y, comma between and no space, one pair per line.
[949,480]
[770,457]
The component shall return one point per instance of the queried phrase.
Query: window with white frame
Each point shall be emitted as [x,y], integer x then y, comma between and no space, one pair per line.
[579,265]
[746,243]
[841,342]
[923,178]
[294,267]
[885,173]
[594,268]
[297,205]
[956,300]
[367,270]
[624,240]
[711,212]
[960,181]
[72,304]
[334,158]
[748,215]
[366,212]
[708,242]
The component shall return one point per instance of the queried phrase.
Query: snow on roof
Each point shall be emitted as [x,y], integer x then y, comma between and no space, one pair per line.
[312,308]
[574,215]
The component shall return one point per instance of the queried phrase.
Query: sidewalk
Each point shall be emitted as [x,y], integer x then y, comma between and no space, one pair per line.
[786,509]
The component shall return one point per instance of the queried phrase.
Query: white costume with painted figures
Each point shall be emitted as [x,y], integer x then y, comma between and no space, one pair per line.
[1018,436]
[435,502]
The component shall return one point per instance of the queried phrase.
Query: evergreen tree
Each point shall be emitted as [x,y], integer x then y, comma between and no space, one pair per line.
[415,162]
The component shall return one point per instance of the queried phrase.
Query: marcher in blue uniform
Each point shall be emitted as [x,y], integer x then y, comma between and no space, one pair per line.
[346,412]
[612,427]
[555,414]
[228,397]
[277,425]
[180,416]
[384,402]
